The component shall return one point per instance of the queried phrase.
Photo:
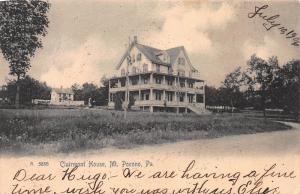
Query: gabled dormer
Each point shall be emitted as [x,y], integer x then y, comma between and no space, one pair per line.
[140,58]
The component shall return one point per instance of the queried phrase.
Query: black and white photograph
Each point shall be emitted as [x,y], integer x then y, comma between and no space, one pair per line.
[149,97]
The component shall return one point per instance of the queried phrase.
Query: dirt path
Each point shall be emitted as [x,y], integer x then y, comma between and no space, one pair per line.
[277,143]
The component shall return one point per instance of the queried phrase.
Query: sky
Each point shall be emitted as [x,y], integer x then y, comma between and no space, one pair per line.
[87,38]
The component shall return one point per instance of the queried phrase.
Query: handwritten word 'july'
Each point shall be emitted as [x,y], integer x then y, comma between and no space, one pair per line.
[271,22]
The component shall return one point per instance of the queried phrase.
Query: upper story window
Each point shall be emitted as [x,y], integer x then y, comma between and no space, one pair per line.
[157,95]
[146,80]
[181,61]
[157,68]
[133,58]
[181,97]
[182,84]
[122,72]
[145,67]
[123,83]
[139,57]
[191,85]
[170,82]
[158,80]
[169,96]
[134,81]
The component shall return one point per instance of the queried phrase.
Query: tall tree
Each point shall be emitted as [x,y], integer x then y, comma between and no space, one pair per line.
[22,25]
[232,83]
[290,88]
[260,76]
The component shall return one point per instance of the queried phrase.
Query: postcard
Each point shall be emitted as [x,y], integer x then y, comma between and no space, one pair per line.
[149,97]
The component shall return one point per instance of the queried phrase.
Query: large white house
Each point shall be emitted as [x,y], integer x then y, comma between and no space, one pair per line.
[158,80]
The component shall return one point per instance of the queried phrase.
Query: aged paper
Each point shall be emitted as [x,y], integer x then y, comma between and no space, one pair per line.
[182,124]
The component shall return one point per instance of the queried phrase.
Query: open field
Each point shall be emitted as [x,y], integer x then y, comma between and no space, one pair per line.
[68,130]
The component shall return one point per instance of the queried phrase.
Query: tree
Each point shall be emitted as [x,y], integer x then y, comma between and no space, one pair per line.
[76,88]
[118,100]
[98,95]
[103,92]
[290,88]
[260,75]
[232,83]
[30,89]
[211,96]
[22,24]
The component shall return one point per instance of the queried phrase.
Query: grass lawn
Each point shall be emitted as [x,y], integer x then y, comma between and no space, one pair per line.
[68,130]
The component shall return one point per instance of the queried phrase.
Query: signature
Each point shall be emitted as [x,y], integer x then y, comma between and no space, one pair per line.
[271,22]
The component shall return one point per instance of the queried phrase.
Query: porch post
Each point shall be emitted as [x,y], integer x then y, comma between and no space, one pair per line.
[108,91]
[140,95]
[151,94]
[151,78]
[204,93]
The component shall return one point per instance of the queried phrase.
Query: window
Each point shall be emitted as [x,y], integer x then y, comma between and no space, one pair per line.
[191,98]
[170,82]
[145,68]
[134,81]
[191,85]
[157,95]
[157,68]
[133,58]
[158,80]
[122,72]
[145,80]
[123,82]
[145,96]
[181,61]
[169,96]
[111,97]
[182,84]
[139,57]
[181,97]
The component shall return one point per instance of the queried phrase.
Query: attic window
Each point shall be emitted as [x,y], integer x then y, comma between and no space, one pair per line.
[145,67]
[181,61]
[139,57]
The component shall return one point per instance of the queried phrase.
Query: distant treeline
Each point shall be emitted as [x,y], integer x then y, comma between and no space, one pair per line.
[261,85]
[31,88]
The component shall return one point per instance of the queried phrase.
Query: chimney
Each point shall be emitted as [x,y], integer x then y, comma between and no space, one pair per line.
[135,40]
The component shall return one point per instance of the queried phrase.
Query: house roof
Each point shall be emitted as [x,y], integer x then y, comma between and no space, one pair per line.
[152,54]
[174,52]
[63,90]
